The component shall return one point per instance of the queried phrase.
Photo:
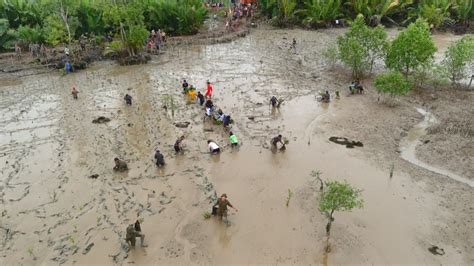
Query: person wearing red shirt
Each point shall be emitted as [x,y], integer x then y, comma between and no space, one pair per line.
[209,90]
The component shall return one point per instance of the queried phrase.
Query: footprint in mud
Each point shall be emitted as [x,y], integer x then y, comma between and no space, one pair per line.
[164,200]
[344,141]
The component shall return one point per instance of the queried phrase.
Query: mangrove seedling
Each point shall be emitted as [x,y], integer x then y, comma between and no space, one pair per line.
[338,197]
[30,251]
[288,198]
[206,215]
[169,104]
[391,170]
[317,176]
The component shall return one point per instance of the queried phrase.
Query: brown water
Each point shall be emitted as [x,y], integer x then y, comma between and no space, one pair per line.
[51,210]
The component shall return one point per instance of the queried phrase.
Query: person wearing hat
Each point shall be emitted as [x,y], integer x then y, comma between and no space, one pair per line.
[120,165]
[160,160]
[209,90]
[221,205]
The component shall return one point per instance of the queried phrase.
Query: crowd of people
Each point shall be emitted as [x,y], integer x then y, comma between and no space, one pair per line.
[156,40]
[220,208]
[239,10]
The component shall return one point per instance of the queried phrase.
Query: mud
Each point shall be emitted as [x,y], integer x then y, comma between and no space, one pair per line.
[52,213]
[101,120]
[346,142]
[435,250]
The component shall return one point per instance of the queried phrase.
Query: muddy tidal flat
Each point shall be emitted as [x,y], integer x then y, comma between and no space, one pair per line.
[61,202]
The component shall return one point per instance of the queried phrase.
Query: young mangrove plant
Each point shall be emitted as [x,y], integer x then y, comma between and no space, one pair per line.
[206,215]
[288,198]
[338,197]
[317,177]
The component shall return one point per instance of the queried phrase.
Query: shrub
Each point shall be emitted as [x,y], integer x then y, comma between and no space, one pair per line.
[361,46]
[330,55]
[457,57]
[29,34]
[319,12]
[393,83]
[7,35]
[411,48]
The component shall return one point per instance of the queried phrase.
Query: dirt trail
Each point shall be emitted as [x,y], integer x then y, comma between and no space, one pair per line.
[53,212]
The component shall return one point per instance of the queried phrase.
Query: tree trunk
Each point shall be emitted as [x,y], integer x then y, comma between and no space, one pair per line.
[64,17]
[122,36]
[328,232]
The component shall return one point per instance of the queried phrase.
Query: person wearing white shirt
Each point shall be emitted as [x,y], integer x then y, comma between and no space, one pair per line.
[213,147]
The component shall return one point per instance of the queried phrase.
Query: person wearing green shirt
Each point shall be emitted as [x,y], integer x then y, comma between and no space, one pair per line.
[233,140]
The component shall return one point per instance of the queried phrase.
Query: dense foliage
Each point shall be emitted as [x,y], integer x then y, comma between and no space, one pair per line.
[315,13]
[412,48]
[361,46]
[62,21]
[393,83]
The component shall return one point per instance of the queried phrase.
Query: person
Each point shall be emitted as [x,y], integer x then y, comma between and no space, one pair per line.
[68,68]
[220,115]
[160,160]
[201,98]
[233,140]
[149,45]
[192,92]
[158,40]
[221,205]
[274,101]
[185,86]
[209,90]
[226,120]
[213,147]
[66,51]
[120,165]
[163,36]
[177,144]
[209,107]
[133,231]
[17,50]
[128,99]
[74,93]
[294,44]
[209,104]
[276,140]
[356,87]
[326,97]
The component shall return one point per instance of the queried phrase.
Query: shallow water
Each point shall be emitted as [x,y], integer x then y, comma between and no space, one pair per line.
[52,211]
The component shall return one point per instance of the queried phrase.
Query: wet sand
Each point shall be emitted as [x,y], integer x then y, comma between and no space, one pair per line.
[52,212]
